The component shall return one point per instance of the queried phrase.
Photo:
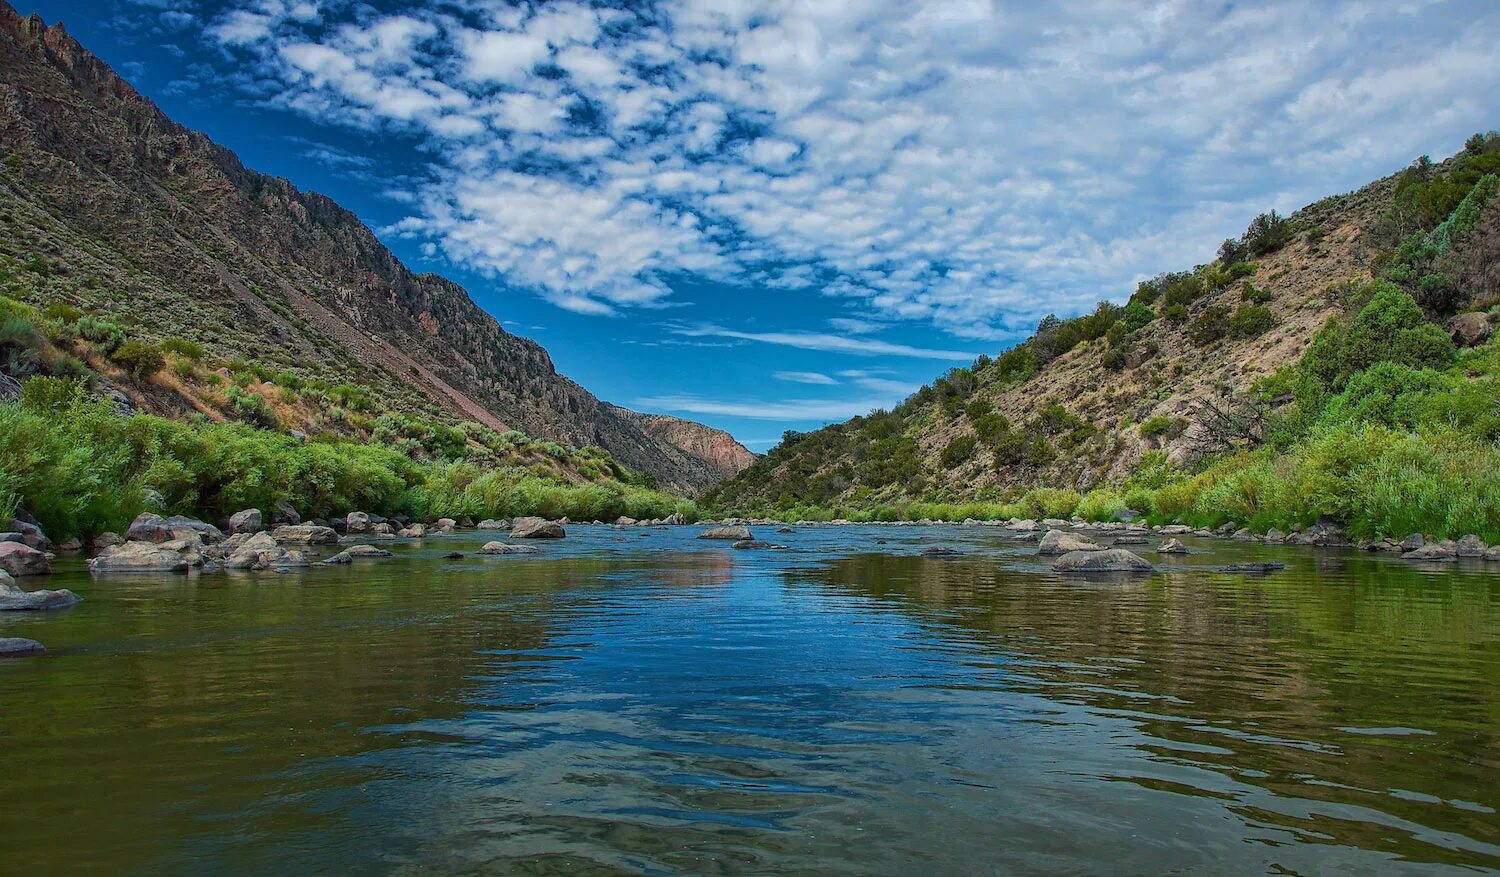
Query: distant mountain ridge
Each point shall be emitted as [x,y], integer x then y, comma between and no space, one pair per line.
[100,191]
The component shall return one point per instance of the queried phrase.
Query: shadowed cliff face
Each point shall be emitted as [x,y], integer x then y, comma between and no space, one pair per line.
[161,225]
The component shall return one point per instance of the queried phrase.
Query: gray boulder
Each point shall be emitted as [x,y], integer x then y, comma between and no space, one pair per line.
[450,524]
[356,522]
[18,647]
[1256,567]
[140,556]
[492,524]
[1436,551]
[1471,546]
[536,528]
[283,513]
[1109,560]
[507,548]
[1172,546]
[1413,542]
[933,551]
[149,527]
[13,599]
[246,521]
[305,534]
[733,533]
[1058,542]
[355,552]
[415,531]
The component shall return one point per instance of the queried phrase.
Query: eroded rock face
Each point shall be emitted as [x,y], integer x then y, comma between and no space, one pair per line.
[140,556]
[734,533]
[1058,542]
[305,534]
[507,548]
[19,559]
[536,528]
[1470,329]
[1108,560]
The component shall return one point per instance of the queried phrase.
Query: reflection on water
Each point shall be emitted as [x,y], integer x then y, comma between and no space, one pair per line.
[652,704]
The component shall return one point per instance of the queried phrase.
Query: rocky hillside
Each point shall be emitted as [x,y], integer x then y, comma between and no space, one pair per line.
[1177,370]
[110,206]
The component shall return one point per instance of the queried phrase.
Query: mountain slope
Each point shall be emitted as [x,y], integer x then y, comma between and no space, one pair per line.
[108,204]
[1181,370]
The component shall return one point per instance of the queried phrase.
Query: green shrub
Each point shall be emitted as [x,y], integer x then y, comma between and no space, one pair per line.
[958,451]
[1175,313]
[62,312]
[103,334]
[1162,425]
[1252,294]
[1250,321]
[1101,504]
[1211,325]
[140,358]
[190,350]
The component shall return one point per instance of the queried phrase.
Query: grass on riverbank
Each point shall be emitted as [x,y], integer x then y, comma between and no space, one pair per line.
[80,469]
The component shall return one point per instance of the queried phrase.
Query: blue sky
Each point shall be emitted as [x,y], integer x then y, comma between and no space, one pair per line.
[774,214]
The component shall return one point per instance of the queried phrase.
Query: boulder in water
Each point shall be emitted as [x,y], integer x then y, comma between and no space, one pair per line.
[1106,560]
[283,513]
[1434,551]
[1172,546]
[1471,546]
[755,544]
[140,556]
[19,647]
[507,548]
[13,599]
[940,551]
[734,533]
[20,559]
[1255,567]
[1062,542]
[536,528]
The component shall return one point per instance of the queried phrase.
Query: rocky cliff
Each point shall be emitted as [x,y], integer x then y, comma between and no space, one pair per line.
[110,205]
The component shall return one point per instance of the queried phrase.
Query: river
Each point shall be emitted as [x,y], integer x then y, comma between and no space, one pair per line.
[638,701]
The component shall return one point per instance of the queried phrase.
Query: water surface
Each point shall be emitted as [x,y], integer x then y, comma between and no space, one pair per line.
[641,702]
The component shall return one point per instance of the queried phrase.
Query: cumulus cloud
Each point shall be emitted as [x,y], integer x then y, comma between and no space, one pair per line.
[824,342]
[964,163]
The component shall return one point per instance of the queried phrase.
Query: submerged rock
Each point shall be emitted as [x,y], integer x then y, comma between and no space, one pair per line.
[735,533]
[1129,540]
[1062,542]
[1256,567]
[13,599]
[508,548]
[19,559]
[940,551]
[757,543]
[785,530]
[355,552]
[1172,546]
[1107,560]
[536,528]
[453,555]
[19,647]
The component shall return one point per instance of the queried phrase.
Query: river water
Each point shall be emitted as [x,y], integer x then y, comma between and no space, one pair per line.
[642,702]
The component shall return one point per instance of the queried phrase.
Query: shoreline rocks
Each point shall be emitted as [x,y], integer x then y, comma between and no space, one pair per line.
[305,534]
[733,533]
[19,559]
[140,556]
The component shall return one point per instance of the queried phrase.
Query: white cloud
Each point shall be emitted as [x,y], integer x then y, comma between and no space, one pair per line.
[965,163]
[823,410]
[804,378]
[819,341]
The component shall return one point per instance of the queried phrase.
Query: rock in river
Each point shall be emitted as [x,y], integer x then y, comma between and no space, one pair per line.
[138,556]
[507,548]
[536,528]
[1172,546]
[20,559]
[305,534]
[1108,560]
[756,543]
[1062,542]
[13,599]
[736,533]
[17,647]
[940,551]
[1437,551]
